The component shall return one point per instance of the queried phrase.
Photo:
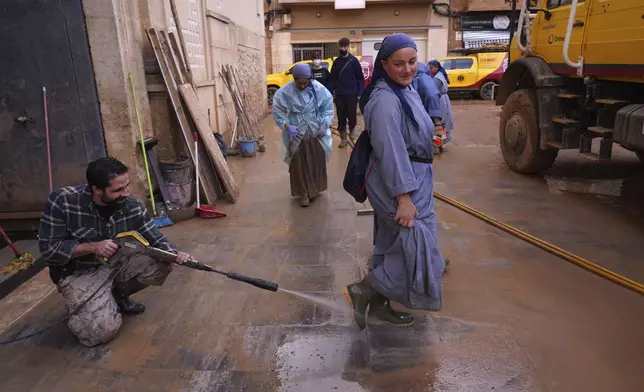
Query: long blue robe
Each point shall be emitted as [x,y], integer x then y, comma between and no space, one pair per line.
[429,94]
[446,104]
[407,264]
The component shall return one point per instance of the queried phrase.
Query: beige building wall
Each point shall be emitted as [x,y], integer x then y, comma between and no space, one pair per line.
[216,32]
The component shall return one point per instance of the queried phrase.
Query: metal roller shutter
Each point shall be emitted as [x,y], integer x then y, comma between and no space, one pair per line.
[476,39]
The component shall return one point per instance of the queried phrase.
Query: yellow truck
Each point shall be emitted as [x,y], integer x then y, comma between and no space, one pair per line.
[477,71]
[575,81]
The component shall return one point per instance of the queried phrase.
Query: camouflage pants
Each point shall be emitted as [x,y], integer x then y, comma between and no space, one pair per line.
[98,320]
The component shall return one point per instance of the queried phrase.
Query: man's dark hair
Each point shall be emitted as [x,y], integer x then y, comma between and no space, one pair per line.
[101,171]
[344,42]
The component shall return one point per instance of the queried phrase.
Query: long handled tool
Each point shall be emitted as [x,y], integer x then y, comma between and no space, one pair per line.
[46,113]
[204,211]
[160,221]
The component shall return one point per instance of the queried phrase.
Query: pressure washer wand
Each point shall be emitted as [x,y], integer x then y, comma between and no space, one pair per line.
[170,256]
[261,283]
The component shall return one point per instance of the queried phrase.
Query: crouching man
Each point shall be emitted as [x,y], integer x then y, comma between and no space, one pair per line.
[76,228]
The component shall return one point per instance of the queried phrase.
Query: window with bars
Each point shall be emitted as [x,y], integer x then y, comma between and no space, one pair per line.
[303,52]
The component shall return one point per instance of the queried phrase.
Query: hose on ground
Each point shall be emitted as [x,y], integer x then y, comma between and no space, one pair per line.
[548,247]
[544,245]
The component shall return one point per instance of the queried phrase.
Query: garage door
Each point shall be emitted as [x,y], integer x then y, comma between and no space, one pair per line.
[477,39]
[371,44]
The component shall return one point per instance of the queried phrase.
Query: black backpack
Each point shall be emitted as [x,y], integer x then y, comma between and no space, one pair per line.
[355,178]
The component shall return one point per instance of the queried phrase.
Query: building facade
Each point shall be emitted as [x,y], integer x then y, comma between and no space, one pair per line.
[216,33]
[477,23]
[296,29]
[91,110]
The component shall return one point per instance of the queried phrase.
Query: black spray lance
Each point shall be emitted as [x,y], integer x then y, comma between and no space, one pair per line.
[169,256]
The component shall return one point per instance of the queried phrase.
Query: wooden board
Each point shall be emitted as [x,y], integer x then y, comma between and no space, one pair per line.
[180,75]
[203,126]
[176,54]
[207,178]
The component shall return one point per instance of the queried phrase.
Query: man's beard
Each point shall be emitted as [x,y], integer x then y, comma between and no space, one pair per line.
[343,52]
[113,202]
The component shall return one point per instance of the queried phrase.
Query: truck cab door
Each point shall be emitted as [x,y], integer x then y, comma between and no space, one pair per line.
[552,32]
[614,29]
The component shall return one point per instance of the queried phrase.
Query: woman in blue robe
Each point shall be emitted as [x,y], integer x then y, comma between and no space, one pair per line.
[442,81]
[429,94]
[407,265]
[303,110]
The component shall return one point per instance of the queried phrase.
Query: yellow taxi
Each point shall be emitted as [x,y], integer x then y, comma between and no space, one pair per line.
[276,80]
[477,73]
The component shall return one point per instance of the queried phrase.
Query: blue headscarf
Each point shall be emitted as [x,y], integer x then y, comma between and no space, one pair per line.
[435,63]
[390,45]
[302,71]
[422,69]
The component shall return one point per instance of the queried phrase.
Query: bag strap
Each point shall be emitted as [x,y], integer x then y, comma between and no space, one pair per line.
[345,66]
[367,176]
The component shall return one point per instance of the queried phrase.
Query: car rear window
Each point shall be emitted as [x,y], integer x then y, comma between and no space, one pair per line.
[458,63]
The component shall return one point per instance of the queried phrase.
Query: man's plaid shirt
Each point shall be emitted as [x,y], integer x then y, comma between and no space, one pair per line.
[71,218]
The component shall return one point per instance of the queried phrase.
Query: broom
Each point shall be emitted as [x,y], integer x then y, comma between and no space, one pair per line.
[21,262]
[159,221]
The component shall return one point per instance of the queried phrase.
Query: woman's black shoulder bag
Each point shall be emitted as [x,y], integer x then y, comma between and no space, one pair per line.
[355,178]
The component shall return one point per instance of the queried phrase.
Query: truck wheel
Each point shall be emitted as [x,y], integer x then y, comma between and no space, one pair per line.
[487,90]
[271,90]
[519,134]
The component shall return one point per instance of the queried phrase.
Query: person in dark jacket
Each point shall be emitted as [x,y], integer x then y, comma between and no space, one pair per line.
[318,72]
[346,83]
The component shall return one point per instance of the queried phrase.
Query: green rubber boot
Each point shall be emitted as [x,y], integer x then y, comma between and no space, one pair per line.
[358,295]
[380,308]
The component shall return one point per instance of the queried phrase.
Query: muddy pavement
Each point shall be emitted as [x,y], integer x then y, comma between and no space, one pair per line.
[514,318]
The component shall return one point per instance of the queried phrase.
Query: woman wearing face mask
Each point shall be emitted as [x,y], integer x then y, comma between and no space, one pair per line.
[319,73]
[407,265]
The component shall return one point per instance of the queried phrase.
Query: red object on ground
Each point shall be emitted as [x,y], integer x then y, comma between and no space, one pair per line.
[209,212]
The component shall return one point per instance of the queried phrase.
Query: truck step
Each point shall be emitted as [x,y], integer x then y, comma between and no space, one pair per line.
[607,101]
[601,131]
[595,157]
[564,120]
[568,96]
[591,155]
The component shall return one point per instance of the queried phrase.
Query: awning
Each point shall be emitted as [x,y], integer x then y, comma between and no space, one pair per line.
[479,38]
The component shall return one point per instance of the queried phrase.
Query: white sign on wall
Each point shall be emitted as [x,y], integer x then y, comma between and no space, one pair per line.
[349,4]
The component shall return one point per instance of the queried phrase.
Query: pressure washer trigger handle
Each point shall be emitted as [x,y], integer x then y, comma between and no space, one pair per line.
[198,266]
[195,265]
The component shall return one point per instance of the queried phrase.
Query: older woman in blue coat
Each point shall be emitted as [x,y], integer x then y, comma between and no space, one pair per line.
[303,110]
[407,265]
